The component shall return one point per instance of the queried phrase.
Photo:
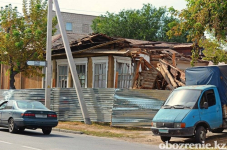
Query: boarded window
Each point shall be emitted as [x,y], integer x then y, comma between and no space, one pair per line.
[85,28]
[100,75]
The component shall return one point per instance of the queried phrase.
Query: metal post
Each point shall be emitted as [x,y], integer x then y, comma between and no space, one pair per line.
[72,65]
[48,54]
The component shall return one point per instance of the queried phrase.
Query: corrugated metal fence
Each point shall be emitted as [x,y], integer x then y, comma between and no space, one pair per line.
[121,107]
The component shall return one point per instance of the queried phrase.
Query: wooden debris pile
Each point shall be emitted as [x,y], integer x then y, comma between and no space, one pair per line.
[173,77]
[147,77]
[160,73]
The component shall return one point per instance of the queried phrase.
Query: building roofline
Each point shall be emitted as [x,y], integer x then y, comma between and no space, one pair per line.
[76,13]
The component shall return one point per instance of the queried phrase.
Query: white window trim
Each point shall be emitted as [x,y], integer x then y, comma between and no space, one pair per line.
[121,59]
[99,60]
[77,61]
[82,61]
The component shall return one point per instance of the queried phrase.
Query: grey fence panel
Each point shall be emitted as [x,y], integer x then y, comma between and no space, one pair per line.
[99,103]
[134,107]
[121,107]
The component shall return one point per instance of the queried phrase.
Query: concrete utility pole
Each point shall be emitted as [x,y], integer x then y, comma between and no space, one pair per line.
[48,55]
[72,65]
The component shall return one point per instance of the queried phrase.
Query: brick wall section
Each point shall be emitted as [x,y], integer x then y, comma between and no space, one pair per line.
[80,23]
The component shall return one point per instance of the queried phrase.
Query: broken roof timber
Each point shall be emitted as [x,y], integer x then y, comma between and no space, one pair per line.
[98,46]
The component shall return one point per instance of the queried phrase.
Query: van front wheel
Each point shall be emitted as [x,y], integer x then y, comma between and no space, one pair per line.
[165,138]
[200,134]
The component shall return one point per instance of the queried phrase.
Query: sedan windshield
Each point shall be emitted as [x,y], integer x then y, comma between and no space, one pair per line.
[182,99]
[30,105]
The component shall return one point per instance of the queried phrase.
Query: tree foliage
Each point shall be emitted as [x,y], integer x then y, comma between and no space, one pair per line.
[213,51]
[201,16]
[23,37]
[149,23]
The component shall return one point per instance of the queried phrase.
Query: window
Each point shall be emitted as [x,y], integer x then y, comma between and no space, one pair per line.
[122,66]
[81,74]
[10,105]
[69,26]
[100,68]
[85,28]
[62,76]
[3,105]
[100,75]
[63,72]
[124,76]
[209,97]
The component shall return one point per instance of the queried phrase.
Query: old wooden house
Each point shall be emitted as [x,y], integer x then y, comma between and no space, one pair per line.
[106,62]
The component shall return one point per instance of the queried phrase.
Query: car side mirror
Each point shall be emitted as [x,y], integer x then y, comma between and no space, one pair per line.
[205,105]
[163,103]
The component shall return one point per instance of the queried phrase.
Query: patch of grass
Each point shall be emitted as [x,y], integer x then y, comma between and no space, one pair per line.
[99,133]
[100,129]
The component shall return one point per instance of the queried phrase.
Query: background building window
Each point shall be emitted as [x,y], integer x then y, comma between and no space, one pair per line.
[62,76]
[85,28]
[69,26]
[100,75]
[124,76]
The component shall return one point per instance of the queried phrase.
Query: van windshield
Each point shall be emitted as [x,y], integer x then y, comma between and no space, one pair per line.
[185,98]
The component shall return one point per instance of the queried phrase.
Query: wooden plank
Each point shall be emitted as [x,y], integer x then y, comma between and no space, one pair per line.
[149,79]
[136,73]
[142,65]
[174,60]
[179,83]
[182,74]
[110,77]
[165,76]
[169,76]
[116,79]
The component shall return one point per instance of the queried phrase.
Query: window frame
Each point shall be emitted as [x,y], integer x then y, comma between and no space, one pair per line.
[124,60]
[77,61]
[99,60]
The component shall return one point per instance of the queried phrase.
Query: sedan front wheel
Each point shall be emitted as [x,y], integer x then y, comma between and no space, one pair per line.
[12,127]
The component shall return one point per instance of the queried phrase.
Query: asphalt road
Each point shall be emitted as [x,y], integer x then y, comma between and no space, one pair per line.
[35,140]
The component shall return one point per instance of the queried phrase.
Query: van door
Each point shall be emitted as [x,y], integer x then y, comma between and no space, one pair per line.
[212,115]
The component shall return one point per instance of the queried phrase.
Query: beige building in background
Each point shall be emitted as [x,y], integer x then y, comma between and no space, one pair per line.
[76,23]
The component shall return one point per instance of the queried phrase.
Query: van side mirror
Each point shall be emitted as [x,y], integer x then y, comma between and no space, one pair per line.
[205,105]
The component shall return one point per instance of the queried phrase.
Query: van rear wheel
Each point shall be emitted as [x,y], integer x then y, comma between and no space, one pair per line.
[165,138]
[200,134]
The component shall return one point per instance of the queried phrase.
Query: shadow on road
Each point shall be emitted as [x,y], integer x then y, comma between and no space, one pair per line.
[211,138]
[35,133]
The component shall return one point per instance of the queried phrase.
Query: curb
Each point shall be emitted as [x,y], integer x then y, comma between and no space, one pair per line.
[67,131]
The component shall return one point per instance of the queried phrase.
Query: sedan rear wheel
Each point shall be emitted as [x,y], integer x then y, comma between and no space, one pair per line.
[21,129]
[47,131]
[12,127]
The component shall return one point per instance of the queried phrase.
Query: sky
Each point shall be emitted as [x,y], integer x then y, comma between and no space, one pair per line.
[98,7]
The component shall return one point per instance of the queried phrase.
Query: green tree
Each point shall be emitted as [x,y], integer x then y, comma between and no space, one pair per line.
[23,37]
[213,51]
[149,23]
[201,16]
